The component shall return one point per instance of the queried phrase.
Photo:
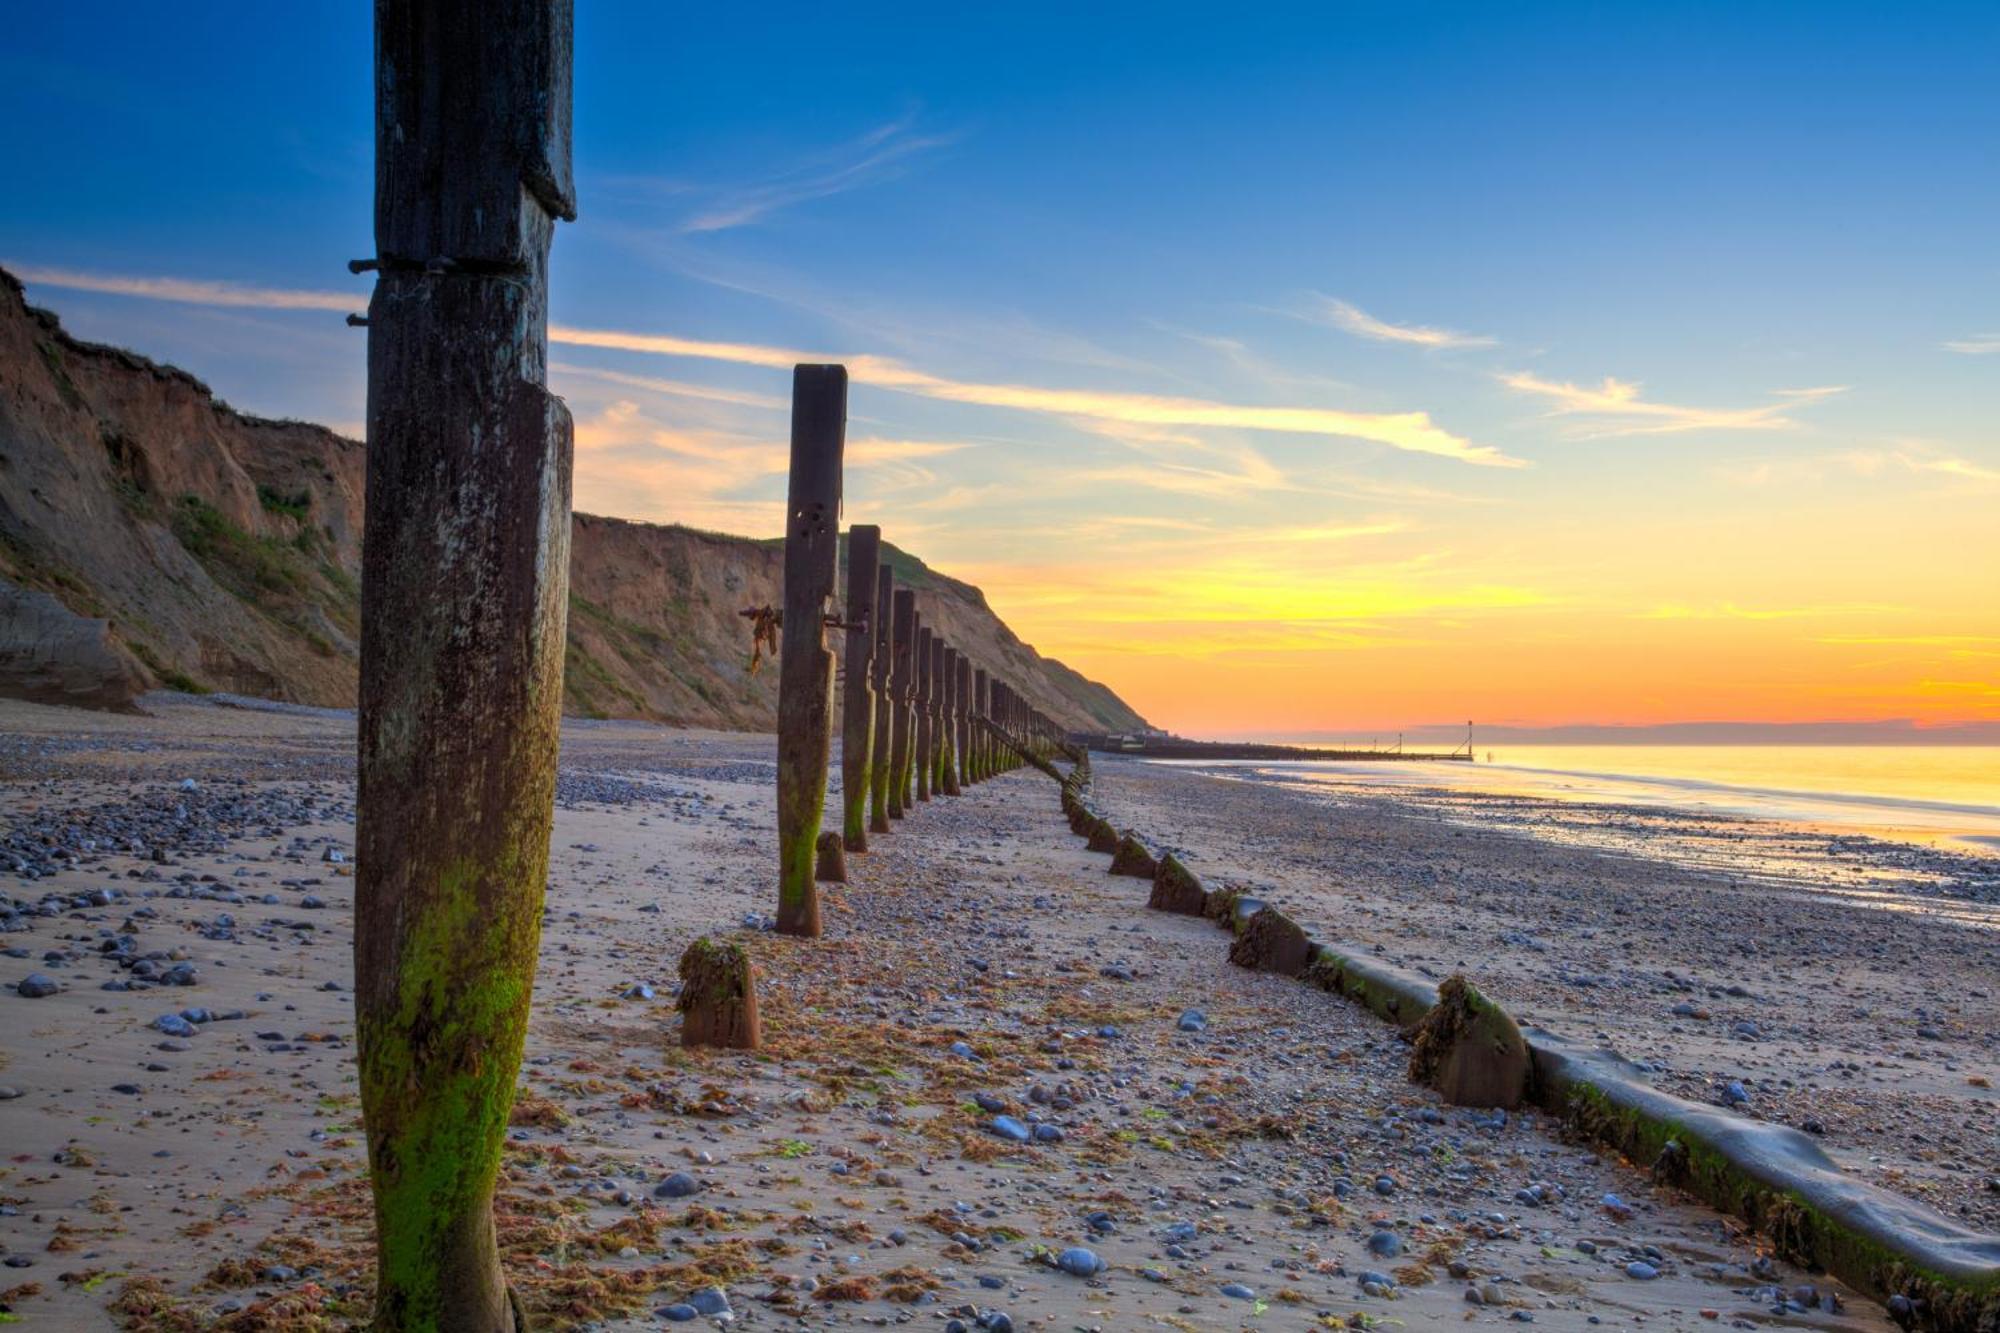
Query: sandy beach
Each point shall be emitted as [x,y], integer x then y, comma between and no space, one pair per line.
[1846,986]
[1234,1150]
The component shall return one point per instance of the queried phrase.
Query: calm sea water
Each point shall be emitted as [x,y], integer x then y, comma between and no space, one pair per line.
[1927,793]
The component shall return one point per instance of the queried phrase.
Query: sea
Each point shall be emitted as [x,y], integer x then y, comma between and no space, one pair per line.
[1887,823]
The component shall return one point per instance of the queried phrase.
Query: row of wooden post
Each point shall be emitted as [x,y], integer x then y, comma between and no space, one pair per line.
[464,601]
[919,718]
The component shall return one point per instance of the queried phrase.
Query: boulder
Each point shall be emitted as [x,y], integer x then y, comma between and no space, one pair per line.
[51,655]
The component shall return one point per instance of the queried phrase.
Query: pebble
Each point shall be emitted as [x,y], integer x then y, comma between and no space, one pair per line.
[1079,1262]
[1010,1129]
[679,1185]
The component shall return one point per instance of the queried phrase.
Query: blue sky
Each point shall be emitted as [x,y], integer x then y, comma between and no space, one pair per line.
[1771,224]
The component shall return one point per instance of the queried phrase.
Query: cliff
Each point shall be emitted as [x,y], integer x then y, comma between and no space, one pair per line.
[152,536]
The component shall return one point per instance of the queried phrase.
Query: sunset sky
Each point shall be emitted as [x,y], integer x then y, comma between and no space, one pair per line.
[1354,367]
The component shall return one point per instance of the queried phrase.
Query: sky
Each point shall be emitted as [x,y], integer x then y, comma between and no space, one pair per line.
[1295,368]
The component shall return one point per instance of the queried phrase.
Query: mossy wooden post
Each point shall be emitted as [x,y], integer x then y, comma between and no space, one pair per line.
[830,866]
[963,721]
[805,664]
[920,751]
[902,684]
[857,723]
[949,746]
[464,591]
[938,741]
[879,762]
[718,1000]
[974,730]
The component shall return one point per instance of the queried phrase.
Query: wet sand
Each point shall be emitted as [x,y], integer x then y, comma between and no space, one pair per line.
[1251,1165]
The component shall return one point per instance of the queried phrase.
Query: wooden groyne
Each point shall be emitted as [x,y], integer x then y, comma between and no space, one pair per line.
[1932,1272]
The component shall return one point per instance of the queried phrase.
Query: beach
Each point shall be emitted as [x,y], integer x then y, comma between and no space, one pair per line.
[1838,983]
[1234,1150]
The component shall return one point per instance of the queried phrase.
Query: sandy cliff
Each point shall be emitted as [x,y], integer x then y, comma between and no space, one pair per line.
[152,535]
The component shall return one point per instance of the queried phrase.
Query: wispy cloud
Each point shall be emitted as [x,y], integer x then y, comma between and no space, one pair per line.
[871,450]
[881,154]
[1353,319]
[1948,465]
[1919,458]
[1732,611]
[1616,407]
[1413,432]
[1980,344]
[672,388]
[189,291]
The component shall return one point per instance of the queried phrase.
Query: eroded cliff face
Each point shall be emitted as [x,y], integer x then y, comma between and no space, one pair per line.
[150,535]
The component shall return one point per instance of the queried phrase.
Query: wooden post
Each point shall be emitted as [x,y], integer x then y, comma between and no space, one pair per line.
[962,720]
[948,721]
[937,715]
[718,999]
[902,684]
[920,756]
[805,665]
[464,593]
[980,740]
[830,865]
[857,732]
[879,764]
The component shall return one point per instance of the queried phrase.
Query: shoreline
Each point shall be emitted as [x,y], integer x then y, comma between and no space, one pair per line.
[1677,966]
[1272,1144]
[1965,827]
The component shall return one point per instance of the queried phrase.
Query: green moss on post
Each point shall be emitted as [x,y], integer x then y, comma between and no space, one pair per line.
[464,601]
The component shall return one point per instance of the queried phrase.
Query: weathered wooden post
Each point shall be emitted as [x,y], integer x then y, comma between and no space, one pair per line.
[902,684]
[857,731]
[937,715]
[962,719]
[805,665]
[1002,755]
[921,756]
[718,999]
[948,746]
[464,592]
[981,742]
[879,758]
